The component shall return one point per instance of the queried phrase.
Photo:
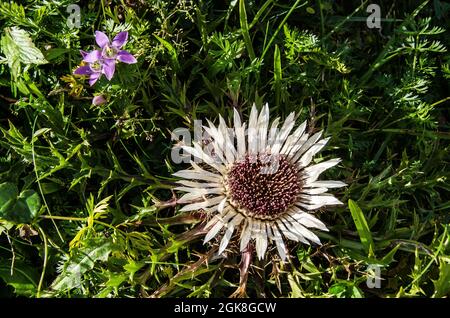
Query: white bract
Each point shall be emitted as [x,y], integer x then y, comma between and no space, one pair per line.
[258,182]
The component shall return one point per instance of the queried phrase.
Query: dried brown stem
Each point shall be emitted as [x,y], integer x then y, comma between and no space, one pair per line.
[244,266]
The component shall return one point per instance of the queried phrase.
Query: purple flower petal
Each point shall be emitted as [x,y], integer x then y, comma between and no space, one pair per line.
[98,100]
[126,57]
[83,70]
[83,53]
[101,39]
[120,39]
[109,68]
[93,56]
[93,78]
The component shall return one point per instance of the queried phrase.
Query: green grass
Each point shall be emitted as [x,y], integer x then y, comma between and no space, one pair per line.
[86,207]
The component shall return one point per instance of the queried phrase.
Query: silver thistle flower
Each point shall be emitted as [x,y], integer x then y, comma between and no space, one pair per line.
[259,182]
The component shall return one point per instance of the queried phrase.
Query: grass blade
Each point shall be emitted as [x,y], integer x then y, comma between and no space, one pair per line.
[280,26]
[277,74]
[244,28]
[259,13]
[361,226]
[172,52]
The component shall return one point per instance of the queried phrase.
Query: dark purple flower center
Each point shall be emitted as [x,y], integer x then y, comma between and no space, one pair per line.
[264,186]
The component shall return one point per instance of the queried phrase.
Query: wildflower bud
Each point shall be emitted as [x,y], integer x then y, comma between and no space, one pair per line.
[98,100]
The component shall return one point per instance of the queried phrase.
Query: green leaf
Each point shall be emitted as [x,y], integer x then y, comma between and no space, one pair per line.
[5,226]
[12,56]
[23,279]
[356,292]
[244,28]
[132,267]
[338,289]
[81,262]
[389,257]
[53,54]
[345,290]
[19,48]
[18,209]
[116,279]
[262,9]
[172,52]
[50,187]
[27,207]
[361,226]
[296,291]
[277,74]
[8,196]
[28,52]
[442,284]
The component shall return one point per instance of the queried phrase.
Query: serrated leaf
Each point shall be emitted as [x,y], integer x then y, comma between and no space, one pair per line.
[28,52]
[116,279]
[18,48]
[132,267]
[389,257]
[442,284]
[81,262]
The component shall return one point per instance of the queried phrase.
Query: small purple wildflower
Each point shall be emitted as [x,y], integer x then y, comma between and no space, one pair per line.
[94,67]
[104,61]
[111,51]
